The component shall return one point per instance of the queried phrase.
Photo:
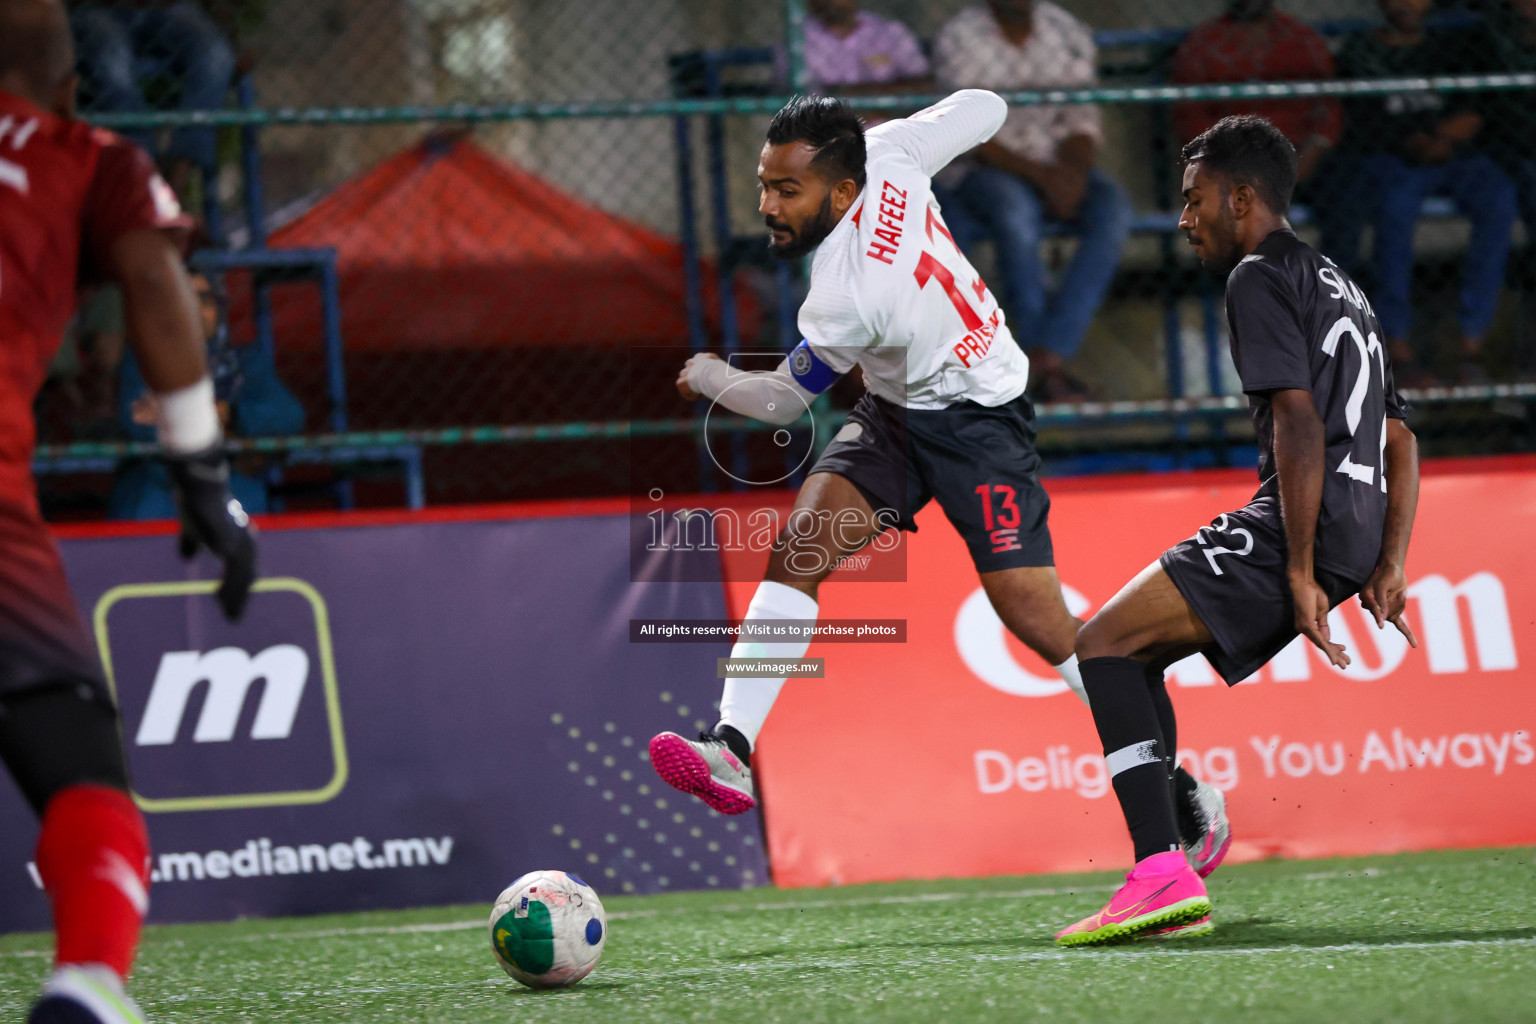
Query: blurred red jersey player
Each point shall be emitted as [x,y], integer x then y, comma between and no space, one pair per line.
[81,205]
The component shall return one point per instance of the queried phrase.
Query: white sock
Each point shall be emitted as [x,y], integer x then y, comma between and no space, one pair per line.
[1068,671]
[745,704]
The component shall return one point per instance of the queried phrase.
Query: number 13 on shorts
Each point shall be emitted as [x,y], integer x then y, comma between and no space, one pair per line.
[1002,526]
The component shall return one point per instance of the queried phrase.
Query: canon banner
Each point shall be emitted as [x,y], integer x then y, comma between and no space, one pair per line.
[409,714]
[962,753]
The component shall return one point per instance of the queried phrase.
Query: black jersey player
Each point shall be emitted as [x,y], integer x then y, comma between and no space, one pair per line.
[1338,473]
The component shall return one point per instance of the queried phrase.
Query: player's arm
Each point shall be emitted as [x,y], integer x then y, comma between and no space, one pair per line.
[164,327]
[165,331]
[779,396]
[956,124]
[1385,594]
[1300,464]
[1267,329]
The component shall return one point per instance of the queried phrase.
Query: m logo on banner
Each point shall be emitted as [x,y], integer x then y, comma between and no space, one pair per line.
[184,708]
[230,672]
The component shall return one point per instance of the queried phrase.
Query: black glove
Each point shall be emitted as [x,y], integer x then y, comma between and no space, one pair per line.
[212,518]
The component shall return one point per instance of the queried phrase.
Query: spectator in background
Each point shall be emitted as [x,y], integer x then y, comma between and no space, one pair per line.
[849,51]
[1408,146]
[1038,171]
[1253,42]
[111,39]
[79,400]
[1511,116]
[252,402]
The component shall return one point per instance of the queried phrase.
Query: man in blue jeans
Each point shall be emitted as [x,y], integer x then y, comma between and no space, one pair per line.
[1511,116]
[111,38]
[1405,147]
[1037,173]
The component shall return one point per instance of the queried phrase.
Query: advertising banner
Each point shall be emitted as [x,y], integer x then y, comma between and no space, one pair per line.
[962,753]
[413,712]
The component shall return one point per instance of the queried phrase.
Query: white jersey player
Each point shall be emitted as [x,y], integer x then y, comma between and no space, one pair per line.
[945,416]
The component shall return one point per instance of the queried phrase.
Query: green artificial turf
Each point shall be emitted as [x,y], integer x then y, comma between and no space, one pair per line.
[1425,937]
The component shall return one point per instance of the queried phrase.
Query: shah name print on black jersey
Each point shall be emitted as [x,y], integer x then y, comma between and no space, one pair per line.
[1298,321]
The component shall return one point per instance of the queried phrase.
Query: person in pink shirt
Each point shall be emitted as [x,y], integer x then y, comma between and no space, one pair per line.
[849,51]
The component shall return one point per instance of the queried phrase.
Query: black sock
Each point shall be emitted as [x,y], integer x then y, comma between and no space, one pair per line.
[1163,704]
[735,741]
[1191,825]
[1124,712]
[1157,686]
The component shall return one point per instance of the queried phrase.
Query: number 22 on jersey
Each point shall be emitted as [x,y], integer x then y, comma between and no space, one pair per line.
[1354,406]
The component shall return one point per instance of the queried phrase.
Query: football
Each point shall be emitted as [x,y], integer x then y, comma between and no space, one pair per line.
[548,929]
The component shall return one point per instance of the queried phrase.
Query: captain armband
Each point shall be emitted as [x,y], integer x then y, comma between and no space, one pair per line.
[809,371]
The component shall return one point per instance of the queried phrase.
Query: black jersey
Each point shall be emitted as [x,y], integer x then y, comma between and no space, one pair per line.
[1298,321]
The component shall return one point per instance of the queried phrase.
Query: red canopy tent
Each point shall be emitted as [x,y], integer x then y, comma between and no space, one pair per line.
[443,246]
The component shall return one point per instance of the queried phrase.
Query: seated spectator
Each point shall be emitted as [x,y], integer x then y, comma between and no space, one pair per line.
[849,51]
[1036,172]
[1253,42]
[79,399]
[252,402]
[112,37]
[1511,116]
[1408,146]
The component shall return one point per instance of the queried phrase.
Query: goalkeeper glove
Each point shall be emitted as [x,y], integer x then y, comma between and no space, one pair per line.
[212,518]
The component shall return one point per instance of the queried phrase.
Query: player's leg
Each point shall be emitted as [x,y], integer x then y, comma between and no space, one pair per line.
[1201,808]
[981,466]
[831,518]
[61,741]
[1147,625]
[63,746]
[858,487]
[1223,592]
[1028,600]
[1148,622]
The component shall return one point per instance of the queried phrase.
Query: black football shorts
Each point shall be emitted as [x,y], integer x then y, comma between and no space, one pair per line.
[43,639]
[979,462]
[1233,574]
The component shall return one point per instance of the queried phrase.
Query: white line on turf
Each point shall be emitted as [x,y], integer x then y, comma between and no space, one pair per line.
[724,908]
[775,963]
[392,929]
[733,908]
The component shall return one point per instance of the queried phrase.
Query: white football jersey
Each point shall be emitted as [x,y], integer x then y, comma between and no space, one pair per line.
[891,292]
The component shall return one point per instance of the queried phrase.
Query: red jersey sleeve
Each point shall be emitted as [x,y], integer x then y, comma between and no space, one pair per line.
[126,194]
